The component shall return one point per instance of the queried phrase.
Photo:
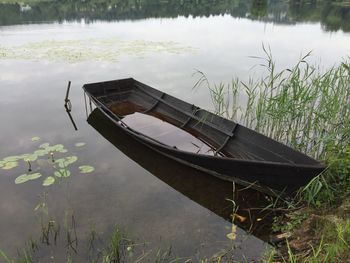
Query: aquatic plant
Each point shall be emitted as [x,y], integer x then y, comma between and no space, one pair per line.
[58,167]
[74,51]
[86,169]
[26,177]
[308,109]
[49,181]
[303,107]
[80,144]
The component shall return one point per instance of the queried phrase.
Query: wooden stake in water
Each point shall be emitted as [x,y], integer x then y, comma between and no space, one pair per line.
[68,106]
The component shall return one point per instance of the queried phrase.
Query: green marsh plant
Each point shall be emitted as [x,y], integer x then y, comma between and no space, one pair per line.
[303,107]
[117,249]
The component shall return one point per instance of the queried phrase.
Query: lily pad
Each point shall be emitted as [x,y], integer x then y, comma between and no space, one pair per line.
[22,179]
[35,138]
[71,159]
[80,144]
[27,177]
[40,153]
[64,162]
[34,176]
[62,173]
[44,145]
[31,158]
[56,148]
[24,156]
[11,158]
[10,165]
[59,161]
[49,181]
[84,169]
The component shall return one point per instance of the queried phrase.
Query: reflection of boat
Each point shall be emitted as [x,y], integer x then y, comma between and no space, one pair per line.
[237,153]
[202,188]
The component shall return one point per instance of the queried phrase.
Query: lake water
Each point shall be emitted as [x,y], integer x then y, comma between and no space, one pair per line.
[154,201]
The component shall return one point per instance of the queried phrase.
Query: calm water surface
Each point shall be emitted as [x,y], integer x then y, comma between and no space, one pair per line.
[162,47]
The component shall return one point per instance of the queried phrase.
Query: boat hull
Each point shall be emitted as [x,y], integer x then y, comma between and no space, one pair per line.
[241,155]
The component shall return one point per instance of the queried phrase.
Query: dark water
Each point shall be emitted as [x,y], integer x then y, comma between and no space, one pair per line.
[136,190]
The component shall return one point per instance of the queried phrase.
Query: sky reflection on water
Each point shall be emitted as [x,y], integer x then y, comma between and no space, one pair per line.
[120,191]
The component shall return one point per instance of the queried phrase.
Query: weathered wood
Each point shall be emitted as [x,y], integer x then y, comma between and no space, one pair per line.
[246,156]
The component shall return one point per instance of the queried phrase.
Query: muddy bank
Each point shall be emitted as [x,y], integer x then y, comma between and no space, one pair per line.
[313,234]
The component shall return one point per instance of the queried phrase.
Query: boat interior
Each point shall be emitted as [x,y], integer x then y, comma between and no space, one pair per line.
[211,134]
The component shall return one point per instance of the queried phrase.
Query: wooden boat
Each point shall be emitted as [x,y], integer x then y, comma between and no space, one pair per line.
[208,191]
[239,154]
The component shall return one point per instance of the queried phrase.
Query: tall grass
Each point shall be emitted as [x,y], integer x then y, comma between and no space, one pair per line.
[303,107]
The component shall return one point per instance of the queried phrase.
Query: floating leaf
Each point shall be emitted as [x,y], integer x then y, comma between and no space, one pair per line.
[31,158]
[62,173]
[44,145]
[35,138]
[66,173]
[34,176]
[26,177]
[40,153]
[80,144]
[2,163]
[49,181]
[21,179]
[12,159]
[57,147]
[84,169]
[64,162]
[10,165]
[60,161]
[69,160]
[24,156]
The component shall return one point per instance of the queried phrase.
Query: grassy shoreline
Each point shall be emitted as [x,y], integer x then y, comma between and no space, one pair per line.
[309,110]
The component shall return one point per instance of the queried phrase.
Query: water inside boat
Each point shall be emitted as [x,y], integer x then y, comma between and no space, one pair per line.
[160,129]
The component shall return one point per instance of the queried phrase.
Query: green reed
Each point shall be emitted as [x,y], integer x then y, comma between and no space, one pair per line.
[303,107]
[300,107]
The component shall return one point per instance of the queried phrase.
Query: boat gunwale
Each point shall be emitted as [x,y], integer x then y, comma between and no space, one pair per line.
[151,140]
